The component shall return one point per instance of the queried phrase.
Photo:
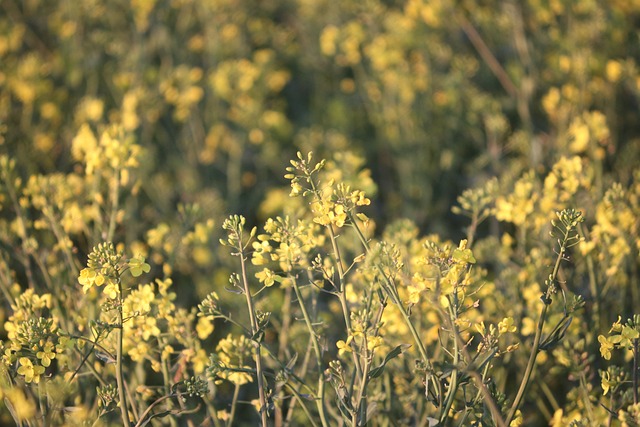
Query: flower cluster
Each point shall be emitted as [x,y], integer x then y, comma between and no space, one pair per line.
[105,267]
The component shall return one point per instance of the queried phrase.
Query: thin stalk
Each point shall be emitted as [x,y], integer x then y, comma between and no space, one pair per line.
[318,353]
[389,287]
[146,413]
[282,346]
[483,391]
[302,404]
[635,371]
[453,384]
[164,364]
[124,412]
[536,340]
[341,288]
[41,403]
[593,283]
[359,415]
[254,331]
[301,373]
[548,394]
[610,417]
[234,404]
[341,274]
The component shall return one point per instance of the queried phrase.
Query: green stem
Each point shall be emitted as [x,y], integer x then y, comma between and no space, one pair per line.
[316,349]
[593,284]
[254,331]
[302,404]
[635,371]
[453,384]
[234,404]
[390,289]
[124,412]
[536,340]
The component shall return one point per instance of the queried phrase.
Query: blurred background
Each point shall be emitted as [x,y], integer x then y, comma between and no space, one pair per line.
[431,96]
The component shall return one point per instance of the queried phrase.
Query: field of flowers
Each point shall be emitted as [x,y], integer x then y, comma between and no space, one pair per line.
[316,213]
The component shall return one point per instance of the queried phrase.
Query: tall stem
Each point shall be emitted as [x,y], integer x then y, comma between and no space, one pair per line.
[254,331]
[635,371]
[536,340]
[342,294]
[316,349]
[453,384]
[391,291]
[124,412]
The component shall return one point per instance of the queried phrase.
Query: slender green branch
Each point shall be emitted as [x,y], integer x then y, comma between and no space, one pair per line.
[453,383]
[234,405]
[316,348]
[390,289]
[635,371]
[302,404]
[569,220]
[124,407]
[254,331]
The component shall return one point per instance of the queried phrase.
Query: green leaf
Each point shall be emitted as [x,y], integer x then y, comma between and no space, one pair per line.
[397,351]
[556,335]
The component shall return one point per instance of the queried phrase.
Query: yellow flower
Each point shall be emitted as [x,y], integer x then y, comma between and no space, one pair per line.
[111,290]
[260,250]
[46,355]
[606,382]
[374,342]
[296,189]
[87,278]
[617,326]
[137,266]
[30,372]
[204,327]
[517,421]
[267,277]
[481,328]
[506,325]
[344,347]
[605,347]
[338,216]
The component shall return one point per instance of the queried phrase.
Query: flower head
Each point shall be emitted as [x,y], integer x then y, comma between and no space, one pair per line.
[31,373]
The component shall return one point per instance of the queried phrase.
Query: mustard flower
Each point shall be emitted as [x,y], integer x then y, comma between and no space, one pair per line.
[463,254]
[47,354]
[260,250]
[374,342]
[87,278]
[137,266]
[267,277]
[344,347]
[506,325]
[30,372]
[606,382]
[111,290]
[517,420]
[605,347]
[204,327]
